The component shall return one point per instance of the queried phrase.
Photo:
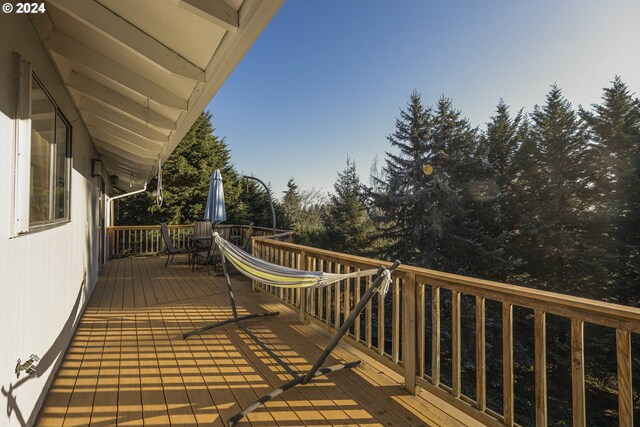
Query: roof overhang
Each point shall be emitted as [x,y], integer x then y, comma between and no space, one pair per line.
[141,72]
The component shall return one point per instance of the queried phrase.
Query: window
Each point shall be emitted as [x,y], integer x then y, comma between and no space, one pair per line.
[50,160]
[42,155]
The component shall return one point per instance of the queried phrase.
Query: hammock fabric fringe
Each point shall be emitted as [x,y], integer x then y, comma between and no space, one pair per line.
[276,275]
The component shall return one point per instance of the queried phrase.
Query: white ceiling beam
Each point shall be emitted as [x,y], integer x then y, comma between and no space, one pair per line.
[89,106]
[103,145]
[107,127]
[119,162]
[130,37]
[140,150]
[75,51]
[113,99]
[214,11]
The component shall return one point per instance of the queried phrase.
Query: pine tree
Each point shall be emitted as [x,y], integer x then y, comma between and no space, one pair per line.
[399,203]
[303,209]
[614,191]
[463,195]
[433,193]
[348,228]
[555,251]
[186,181]
[292,202]
[498,213]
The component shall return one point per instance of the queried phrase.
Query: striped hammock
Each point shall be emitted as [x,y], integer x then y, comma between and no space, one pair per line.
[285,277]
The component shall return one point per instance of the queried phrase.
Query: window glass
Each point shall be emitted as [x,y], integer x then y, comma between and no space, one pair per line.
[62,169]
[42,148]
[50,170]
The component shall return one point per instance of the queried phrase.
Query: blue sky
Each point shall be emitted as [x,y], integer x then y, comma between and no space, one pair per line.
[327,78]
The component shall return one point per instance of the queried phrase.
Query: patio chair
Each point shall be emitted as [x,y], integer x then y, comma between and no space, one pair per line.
[168,243]
[200,240]
[202,254]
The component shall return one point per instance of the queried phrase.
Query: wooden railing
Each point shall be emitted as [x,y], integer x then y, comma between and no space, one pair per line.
[147,240]
[393,329]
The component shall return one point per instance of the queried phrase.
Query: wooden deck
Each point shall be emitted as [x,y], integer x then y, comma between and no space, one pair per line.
[128,363]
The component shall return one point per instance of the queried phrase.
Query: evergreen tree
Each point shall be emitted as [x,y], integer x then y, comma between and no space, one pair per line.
[434,191]
[186,181]
[497,211]
[292,203]
[554,185]
[399,203]
[303,210]
[347,226]
[465,194]
[613,213]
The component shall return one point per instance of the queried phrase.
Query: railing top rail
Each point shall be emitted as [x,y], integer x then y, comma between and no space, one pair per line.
[592,311]
[147,227]
[274,236]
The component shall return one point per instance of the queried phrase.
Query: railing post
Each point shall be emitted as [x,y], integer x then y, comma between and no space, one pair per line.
[577,373]
[409,336]
[111,242]
[625,389]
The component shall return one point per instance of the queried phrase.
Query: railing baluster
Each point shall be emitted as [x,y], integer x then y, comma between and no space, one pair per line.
[577,373]
[313,292]
[368,324]
[507,362]
[455,343]
[395,321]
[420,328]
[625,391]
[321,292]
[337,295]
[435,335]
[346,297]
[481,355]
[409,332]
[302,294]
[327,308]
[356,298]
[540,339]
[380,323]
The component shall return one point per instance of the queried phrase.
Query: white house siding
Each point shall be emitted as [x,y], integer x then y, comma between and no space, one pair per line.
[46,276]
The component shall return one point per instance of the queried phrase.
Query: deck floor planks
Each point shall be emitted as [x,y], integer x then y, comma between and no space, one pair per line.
[135,368]
[355,392]
[59,396]
[154,405]
[314,395]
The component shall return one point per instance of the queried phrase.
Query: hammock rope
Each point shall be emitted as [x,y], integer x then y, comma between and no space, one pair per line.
[285,277]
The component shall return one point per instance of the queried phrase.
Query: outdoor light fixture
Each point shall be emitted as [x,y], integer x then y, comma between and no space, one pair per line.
[96,167]
[114,180]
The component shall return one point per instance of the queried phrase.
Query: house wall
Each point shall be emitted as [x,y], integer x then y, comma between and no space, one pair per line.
[46,277]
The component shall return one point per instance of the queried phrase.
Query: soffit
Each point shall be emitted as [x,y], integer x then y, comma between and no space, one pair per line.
[141,72]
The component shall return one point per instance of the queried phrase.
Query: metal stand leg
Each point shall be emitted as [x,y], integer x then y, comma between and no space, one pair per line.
[316,371]
[235,319]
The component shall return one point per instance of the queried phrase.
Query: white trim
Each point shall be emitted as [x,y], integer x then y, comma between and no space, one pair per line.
[22,146]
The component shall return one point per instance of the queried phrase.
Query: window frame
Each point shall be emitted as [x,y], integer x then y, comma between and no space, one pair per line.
[53,156]
[25,77]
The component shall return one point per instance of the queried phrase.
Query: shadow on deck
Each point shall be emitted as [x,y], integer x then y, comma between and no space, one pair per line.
[128,363]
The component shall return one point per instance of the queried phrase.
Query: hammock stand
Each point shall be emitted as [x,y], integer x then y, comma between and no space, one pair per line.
[380,284]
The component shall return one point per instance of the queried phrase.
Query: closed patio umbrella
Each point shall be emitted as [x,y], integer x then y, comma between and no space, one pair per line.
[215,210]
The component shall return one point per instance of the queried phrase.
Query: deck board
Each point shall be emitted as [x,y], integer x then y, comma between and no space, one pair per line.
[128,364]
